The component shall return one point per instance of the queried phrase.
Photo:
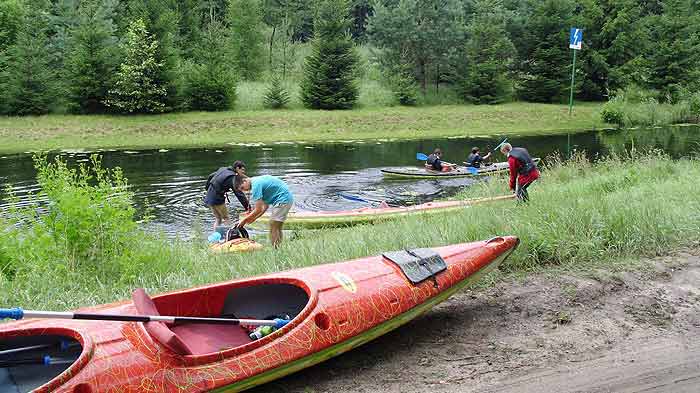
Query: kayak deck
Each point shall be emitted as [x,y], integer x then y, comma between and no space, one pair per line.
[334,308]
[325,219]
[425,173]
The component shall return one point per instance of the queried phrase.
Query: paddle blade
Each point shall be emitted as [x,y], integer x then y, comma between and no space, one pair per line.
[472,170]
[353,198]
[501,144]
[11,313]
[421,157]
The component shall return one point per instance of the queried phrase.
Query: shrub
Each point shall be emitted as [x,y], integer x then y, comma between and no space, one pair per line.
[209,90]
[82,219]
[613,112]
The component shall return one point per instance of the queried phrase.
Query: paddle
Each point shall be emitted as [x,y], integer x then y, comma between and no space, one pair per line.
[359,199]
[45,361]
[470,169]
[62,345]
[501,144]
[18,313]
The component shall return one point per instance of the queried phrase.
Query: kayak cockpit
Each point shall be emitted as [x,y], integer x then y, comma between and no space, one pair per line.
[260,301]
[28,362]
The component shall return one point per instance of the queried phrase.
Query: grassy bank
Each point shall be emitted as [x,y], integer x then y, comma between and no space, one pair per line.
[268,126]
[580,216]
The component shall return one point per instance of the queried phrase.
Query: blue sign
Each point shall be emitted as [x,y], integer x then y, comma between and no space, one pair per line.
[576,38]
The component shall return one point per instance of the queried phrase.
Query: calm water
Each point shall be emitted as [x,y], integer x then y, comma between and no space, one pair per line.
[172,182]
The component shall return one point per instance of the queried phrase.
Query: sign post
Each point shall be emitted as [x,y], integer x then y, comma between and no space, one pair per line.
[575,42]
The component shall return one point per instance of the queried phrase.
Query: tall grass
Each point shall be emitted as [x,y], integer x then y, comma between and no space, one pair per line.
[638,107]
[580,214]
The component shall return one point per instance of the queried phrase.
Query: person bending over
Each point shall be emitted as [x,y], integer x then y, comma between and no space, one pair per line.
[218,184]
[267,192]
[523,170]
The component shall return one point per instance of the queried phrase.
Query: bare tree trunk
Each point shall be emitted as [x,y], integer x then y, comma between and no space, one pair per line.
[423,76]
[437,79]
[272,40]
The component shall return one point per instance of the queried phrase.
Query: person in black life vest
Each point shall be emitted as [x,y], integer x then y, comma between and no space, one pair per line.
[523,170]
[218,184]
[435,162]
[475,159]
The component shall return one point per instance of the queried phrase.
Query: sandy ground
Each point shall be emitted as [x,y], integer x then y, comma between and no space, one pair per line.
[595,332]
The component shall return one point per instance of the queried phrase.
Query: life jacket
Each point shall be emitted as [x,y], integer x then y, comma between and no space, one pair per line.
[218,178]
[232,233]
[527,165]
[472,160]
[434,162]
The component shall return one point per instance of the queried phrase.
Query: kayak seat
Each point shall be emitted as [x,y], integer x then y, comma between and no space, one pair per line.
[188,339]
[202,338]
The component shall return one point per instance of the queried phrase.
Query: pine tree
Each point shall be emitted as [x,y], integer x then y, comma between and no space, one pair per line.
[424,30]
[330,70]
[11,14]
[94,57]
[546,65]
[489,54]
[29,83]
[593,70]
[276,96]
[245,20]
[210,83]
[137,88]
[403,82]
[11,17]
[674,59]
[161,18]
[63,20]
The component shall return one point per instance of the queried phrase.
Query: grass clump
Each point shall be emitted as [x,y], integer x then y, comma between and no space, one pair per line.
[638,107]
[580,215]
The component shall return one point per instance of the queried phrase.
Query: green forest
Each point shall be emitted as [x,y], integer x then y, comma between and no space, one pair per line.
[155,56]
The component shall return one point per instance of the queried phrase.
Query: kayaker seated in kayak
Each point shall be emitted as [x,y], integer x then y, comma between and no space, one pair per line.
[218,184]
[523,170]
[266,191]
[475,159]
[435,162]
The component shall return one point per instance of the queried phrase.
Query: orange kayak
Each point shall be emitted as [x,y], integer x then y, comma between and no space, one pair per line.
[333,308]
[326,219]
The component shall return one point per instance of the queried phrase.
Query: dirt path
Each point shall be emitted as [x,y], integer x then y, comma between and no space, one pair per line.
[599,332]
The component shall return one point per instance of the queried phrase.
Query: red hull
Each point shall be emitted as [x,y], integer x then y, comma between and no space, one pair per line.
[345,301]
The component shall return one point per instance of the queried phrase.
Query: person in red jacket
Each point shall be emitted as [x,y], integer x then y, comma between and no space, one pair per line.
[523,170]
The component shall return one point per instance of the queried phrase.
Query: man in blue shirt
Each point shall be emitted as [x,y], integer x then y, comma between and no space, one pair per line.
[266,191]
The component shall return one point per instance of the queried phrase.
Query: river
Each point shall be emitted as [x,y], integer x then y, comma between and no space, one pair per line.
[171,182]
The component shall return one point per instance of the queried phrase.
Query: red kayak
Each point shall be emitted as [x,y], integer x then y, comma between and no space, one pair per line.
[333,308]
